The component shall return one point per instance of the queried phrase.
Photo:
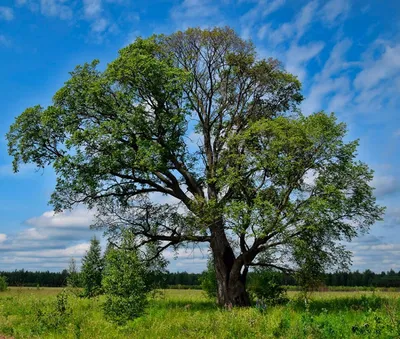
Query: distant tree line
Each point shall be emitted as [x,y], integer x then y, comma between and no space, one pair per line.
[37,278]
[356,278]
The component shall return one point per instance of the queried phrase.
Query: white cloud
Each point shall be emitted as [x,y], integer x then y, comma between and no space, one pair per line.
[61,9]
[192,13]
[295,30]
[383,68]
[377,83]
[334,10]
[49,241]
[262,9]
[194,9]
[330,81]
[79,217]
[263,31]
[32,234]
[385,184]
[92,8]
[56,8]
[76,251]
[92,11]
[367,85]
[377,254]
[298,56]
[6,13]
[189,260]
[99,25]
[287,36]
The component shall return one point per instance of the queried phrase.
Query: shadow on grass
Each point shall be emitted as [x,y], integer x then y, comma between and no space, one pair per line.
[362,303]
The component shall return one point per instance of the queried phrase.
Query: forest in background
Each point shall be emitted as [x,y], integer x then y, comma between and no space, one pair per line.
[192,280]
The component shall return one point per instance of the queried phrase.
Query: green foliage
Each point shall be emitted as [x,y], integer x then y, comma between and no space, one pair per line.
[28,313]
[266,289]
[208,280]
[124,283]
[3,284]
[73,278]
[262,173]
[92,269]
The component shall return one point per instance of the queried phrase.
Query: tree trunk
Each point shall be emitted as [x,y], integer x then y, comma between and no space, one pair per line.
[231,280]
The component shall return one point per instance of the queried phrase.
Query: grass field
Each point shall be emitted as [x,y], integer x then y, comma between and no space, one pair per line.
[39,313]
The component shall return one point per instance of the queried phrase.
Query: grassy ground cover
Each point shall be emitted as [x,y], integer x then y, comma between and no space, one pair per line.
[51,313]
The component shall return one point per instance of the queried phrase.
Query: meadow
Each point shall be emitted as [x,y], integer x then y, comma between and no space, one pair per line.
[56,313]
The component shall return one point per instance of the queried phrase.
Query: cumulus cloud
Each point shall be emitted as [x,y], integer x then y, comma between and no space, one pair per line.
[50,239]
[79,217]
[375,253]
[192,260]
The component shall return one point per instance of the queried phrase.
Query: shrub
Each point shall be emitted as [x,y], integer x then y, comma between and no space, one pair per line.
[73,278]
[3,284]
[124,283]
[264,287]
[208,280]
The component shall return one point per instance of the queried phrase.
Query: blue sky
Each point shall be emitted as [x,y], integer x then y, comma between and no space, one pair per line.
[346,53]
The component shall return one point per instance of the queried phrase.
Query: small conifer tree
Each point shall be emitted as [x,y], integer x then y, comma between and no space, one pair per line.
[92,269]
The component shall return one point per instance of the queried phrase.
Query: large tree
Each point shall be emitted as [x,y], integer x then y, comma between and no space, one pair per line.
[199,117]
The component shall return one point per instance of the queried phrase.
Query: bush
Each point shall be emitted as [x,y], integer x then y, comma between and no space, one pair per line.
[265,288]
[3,284]
[124,283]
[208,280]
[73,278]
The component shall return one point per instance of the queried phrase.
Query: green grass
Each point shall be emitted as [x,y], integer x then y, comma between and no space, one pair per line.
[36,313]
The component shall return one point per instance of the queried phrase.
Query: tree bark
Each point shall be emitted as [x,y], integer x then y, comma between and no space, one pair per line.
[231,279]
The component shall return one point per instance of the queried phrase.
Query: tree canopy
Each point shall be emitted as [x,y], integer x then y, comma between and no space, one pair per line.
[199,117]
